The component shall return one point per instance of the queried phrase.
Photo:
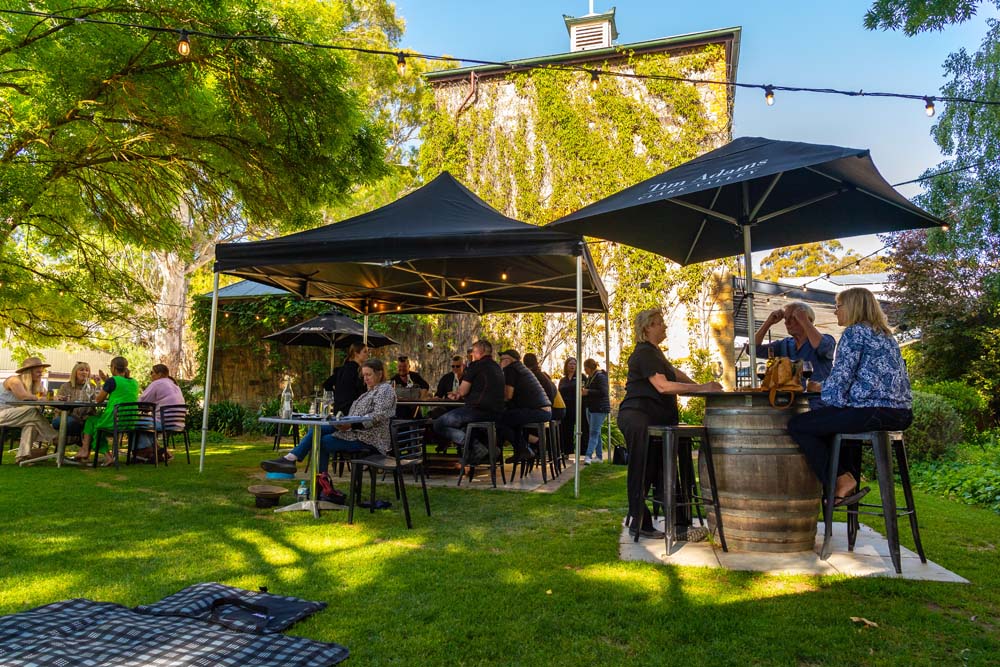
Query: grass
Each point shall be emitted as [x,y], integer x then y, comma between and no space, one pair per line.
[493,577]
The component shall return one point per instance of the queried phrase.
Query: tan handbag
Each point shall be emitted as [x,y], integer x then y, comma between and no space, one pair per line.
[783,375]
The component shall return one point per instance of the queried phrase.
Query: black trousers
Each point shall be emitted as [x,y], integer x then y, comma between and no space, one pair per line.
[633,425]
[813,432]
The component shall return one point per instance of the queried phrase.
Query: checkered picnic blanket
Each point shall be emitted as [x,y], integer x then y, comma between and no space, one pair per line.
[197,602]
[84,633]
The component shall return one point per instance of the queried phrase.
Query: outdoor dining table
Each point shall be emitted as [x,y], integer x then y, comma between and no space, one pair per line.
[64,408]
[313,505]
[768,495]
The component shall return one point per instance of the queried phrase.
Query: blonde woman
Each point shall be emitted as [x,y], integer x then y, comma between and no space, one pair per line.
[868,389]
[79,389]
[26,385]
[651,390]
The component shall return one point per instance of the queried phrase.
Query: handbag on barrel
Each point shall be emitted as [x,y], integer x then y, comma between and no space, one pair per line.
[783,375]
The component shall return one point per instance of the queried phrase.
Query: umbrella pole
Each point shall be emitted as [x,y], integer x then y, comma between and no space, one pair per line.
[748,268]
[365,335]
[333,353]
[208,371]
[579,351]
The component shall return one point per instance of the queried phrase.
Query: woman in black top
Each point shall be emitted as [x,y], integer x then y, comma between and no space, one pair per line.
[650,399]
[349,385]
[568,388]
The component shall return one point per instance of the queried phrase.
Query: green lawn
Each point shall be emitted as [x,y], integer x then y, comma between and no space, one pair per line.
[492,578]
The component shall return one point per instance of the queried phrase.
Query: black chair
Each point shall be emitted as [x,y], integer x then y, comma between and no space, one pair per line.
[680,488]
[173,422]
[407,454]
[9,438]
[496,455]
[544,457]
[129,420]
[884,444]
[280,432]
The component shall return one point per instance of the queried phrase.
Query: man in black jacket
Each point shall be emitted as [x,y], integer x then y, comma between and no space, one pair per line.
[597,401]
[527,403]
[482,389]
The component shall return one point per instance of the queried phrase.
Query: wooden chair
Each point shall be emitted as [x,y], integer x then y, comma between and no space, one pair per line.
[173,422]
[407,455]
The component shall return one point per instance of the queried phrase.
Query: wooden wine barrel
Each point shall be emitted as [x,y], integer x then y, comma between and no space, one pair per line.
[769,496]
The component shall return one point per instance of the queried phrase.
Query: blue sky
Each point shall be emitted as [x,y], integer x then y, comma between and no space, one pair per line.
[813,44]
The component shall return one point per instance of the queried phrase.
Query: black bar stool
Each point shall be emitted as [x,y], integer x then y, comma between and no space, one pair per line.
[884,444]
[680,489]
[279,433]
[496,456]
[544,455]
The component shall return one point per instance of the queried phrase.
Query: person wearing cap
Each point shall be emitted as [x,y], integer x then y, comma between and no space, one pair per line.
[527,403]
[26,385]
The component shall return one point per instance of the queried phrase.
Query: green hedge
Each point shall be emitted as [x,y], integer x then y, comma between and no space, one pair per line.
[972,408]
[936,429]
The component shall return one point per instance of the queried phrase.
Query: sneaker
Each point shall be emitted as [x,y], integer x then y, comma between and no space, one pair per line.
[649,533]
[586,461]
[279,465]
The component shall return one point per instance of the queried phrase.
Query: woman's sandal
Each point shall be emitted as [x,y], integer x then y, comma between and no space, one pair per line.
[852,499]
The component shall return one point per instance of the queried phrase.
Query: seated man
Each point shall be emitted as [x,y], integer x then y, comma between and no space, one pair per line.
[404,377]
[450,382]
[482,389]
[805,343]
[527,403]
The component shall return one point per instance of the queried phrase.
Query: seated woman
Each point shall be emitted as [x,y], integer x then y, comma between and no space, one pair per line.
[163,390]
[26,385]
[119,388]
[79,390]
[867,390]
[377,405]
[650,399]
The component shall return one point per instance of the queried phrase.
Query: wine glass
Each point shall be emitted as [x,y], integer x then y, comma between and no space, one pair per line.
[807,370]
[761,371]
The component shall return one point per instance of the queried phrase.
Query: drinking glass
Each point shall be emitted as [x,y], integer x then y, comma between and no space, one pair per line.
[761,372]
[807,370]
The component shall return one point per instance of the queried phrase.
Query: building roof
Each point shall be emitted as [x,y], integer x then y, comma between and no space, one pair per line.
[617,51]
[246,289]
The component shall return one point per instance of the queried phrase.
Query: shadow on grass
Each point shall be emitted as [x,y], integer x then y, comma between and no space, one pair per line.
[490,578]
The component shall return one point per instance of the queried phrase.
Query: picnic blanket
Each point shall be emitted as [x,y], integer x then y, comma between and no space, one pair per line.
[84,633]
[235,608]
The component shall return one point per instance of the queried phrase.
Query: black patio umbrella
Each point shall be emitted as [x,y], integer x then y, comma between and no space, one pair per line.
[751,194]
[333,329]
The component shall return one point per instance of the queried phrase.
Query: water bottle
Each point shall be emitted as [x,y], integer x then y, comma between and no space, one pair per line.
[302,493]
[286,400]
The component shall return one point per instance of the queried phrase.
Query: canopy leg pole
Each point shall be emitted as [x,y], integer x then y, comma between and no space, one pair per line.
[208,370]
[333,355]
[365,335]
[607,369]
[577,433]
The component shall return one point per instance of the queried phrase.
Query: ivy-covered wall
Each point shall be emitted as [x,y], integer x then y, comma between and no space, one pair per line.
[543,143]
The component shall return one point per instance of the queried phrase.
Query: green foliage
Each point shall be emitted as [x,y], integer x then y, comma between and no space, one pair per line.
[114,145]
[693,412]
[936,428]
[967,402]
[971,483]
[616,439]
[816,259]
[560,146]
[915,16]
[228,417]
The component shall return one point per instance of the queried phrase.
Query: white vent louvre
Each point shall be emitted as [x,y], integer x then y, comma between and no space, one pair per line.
[593,36]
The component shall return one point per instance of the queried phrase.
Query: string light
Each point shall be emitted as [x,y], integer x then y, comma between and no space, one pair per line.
[401,57]
[503,276]
[594,79]
[928,106]
[945,227]
[401,63]
[184,44]
[462,284]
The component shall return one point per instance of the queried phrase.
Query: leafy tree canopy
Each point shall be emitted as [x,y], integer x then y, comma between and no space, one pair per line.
[109,132]
[914,16]
[816,259]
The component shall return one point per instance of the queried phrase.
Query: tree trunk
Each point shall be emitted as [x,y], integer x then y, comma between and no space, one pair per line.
[168,337]
[721,325]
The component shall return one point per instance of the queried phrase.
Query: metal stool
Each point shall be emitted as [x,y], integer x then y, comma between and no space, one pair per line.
[278,435]
[543,457]
[884,444]
[496,456]
[679,478]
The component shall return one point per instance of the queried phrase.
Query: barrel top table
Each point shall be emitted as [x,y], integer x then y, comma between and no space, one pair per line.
[768,495]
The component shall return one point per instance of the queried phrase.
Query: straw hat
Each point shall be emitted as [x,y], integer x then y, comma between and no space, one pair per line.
[29,363]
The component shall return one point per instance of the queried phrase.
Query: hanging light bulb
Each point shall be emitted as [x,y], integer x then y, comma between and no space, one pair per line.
[503,276]
[945,227]
[928,106]
[184,44]
[594,80]
[769,95]
[430,294]
[401,63]
[399,307]
[462,284]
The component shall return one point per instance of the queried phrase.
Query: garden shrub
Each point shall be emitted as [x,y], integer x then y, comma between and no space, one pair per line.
[972,484]
[617,437]
[228,418]
[936,428]
[967,401]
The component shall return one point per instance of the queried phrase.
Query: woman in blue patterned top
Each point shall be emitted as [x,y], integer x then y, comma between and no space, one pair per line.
[867,390]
